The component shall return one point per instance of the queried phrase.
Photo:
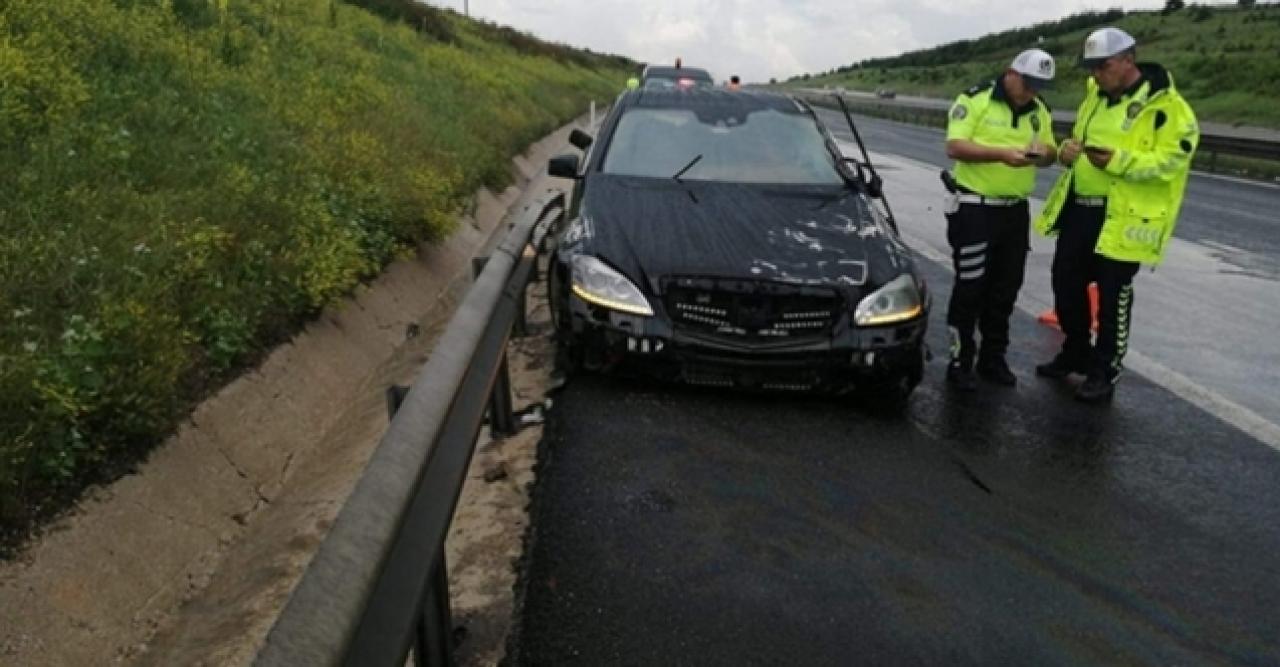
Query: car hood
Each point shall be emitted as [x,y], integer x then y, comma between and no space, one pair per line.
[652,229]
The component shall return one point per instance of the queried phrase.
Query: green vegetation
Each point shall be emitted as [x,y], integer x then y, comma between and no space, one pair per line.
[1225,60]
[187,181]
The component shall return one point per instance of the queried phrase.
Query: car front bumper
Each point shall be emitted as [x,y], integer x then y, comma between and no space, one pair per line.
[846,358]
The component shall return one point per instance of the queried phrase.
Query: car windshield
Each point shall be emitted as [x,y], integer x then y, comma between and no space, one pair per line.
[763,146]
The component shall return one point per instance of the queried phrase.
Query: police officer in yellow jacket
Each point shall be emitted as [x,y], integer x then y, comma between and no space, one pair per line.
[1115,207]
[998,133]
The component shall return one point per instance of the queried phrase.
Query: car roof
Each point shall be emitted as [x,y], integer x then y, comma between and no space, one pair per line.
[676,72]
[713,101]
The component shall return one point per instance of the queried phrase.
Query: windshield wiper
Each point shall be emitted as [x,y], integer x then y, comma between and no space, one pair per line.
[687,167]
[837,197]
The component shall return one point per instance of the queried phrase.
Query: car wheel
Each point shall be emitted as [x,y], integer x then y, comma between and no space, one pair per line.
[891,394]
[568,353]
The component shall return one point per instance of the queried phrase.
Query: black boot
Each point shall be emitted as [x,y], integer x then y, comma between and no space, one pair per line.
[995,369]
[1063,365]
[1098,387]
[960,375]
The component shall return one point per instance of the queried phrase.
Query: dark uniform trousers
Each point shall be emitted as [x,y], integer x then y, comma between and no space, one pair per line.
[989,247]
[1075,265]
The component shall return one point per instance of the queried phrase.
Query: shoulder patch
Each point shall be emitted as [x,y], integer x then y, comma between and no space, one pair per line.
[959,111]
[977,88]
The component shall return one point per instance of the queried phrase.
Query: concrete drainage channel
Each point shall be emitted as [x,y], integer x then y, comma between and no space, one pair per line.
[190,560]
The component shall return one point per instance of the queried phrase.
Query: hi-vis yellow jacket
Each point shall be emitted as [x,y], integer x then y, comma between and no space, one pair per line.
[1148,169]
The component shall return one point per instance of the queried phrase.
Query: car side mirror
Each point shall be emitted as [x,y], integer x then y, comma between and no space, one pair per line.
[563,166]
[580,139]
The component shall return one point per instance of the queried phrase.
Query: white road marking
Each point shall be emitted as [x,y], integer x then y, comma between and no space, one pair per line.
[1236,179]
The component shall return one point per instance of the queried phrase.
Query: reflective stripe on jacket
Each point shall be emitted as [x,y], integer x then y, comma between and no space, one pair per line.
[1148,169]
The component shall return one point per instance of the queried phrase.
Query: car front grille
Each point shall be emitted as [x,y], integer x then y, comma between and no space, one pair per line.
[747,309]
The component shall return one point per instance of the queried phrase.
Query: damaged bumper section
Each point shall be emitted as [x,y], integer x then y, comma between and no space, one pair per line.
[748,335]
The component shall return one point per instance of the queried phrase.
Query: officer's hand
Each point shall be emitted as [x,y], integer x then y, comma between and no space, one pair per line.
[1098,156]
[1037,153]
[1014,158]
[1068,152]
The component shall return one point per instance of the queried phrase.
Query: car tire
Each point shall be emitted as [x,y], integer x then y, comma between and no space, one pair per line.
[568,354]
[568,360]
[892,394]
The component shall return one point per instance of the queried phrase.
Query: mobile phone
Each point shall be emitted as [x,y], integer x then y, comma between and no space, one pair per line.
[1032,155]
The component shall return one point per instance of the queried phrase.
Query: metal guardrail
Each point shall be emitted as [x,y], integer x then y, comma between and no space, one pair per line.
[377,588]
[1213,142]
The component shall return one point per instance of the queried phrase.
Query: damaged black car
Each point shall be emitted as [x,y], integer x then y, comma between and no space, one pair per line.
[721,238]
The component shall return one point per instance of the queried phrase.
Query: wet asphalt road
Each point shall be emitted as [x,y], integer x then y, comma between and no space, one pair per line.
[679,526]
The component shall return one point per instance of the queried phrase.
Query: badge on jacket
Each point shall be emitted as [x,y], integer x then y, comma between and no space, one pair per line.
[1131,113]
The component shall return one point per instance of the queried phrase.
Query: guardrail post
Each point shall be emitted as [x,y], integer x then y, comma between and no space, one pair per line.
[433,646]
[433,640]
[502,421]
[395,396]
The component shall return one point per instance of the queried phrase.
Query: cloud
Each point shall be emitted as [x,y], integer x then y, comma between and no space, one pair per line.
[759,39]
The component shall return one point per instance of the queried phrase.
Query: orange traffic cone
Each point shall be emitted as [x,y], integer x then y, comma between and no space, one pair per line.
[1050,316]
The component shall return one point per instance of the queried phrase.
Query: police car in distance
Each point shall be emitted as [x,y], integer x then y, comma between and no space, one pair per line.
[720,238]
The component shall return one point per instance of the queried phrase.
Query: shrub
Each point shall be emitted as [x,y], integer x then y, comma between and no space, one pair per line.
[188,181]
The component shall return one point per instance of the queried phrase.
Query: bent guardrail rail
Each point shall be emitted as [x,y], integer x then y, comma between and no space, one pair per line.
[1215,139]
[377,588]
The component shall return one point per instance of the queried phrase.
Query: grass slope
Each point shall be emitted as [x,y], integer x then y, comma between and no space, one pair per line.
[1225,60]
[186,181]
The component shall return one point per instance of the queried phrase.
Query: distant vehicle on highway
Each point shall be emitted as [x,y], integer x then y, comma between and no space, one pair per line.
[659,76]
[886,93]
[721,238]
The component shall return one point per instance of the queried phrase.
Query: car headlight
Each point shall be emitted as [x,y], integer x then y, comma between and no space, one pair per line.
[897,301]
[595,282]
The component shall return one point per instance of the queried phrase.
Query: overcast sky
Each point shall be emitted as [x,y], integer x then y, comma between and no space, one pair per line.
[759,39]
